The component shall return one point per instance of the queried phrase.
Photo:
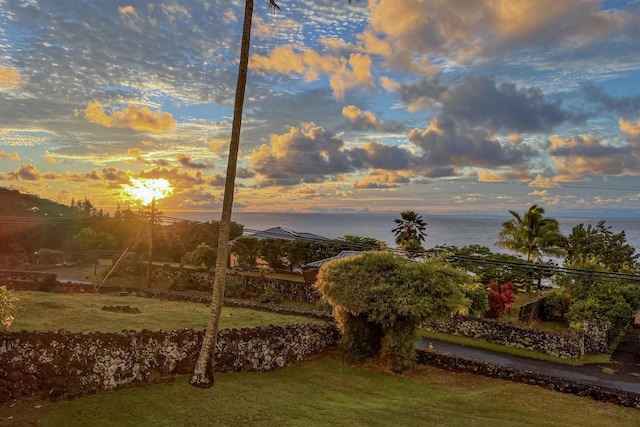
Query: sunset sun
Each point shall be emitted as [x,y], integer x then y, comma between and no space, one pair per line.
[145,190]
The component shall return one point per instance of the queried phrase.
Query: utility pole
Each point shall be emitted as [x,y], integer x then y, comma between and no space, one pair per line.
[150,264]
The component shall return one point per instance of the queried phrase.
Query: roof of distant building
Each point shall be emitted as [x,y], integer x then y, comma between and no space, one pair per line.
[284,234]
[343,254]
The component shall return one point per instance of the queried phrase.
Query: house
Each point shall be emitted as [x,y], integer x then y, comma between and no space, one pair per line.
[310,271]
[284,234]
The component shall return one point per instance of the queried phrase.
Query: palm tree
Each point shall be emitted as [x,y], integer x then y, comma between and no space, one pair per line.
[410,231]
[203,371]
[532,235]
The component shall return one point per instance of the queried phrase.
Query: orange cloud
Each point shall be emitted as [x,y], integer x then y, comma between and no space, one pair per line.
[381,179]
[630,128]
[133,117]
[9,77]
[345,73]
[6,156]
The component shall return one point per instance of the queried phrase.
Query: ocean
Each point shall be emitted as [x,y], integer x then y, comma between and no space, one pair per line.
[454,230]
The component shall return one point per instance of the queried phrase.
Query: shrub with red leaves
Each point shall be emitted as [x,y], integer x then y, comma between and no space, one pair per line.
[500,299]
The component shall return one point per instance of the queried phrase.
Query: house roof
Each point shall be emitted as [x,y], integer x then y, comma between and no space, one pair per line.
[284,234]
[343,254]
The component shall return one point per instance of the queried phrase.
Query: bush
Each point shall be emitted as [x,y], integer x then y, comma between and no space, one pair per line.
[271,296]
[49,283]
[234,287]
[180,283]
[379,300]
[554,306]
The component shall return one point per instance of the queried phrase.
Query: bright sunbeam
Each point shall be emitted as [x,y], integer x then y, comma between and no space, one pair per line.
[145,190]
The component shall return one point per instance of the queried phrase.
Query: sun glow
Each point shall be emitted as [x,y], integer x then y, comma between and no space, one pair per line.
[146,190]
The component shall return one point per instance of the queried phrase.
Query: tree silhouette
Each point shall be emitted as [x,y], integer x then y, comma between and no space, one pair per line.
[410,231]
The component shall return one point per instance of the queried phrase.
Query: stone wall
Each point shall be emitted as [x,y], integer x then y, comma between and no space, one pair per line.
[452,363]
[294,291]
[65,365]
[40,261]
[568,345]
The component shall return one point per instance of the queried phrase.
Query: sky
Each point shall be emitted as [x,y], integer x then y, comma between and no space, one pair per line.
[437,106]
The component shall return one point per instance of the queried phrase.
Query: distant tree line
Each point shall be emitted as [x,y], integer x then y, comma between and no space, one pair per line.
[29,224]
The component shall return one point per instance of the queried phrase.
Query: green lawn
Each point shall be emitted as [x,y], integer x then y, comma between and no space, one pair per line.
[83,313]
[327,392]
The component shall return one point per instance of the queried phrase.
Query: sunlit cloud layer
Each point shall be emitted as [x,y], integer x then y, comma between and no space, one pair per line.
[432,105]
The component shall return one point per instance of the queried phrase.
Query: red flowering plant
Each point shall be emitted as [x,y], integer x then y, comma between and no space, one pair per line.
[500,299]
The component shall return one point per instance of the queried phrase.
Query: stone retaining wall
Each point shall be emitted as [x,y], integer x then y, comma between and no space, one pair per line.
[571,344]
[294,291]
[452,363]
[65,365]
[39,261]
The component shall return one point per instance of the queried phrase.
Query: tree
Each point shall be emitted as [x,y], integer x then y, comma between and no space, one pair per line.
[88,239]
[203,254]
[271,250]
[532,235]
[379,299]
[500,299]
[410,231]
[203,371]
[599,246]
[247,249]
[360,243]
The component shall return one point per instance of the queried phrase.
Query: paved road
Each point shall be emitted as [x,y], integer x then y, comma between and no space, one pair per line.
[622,379]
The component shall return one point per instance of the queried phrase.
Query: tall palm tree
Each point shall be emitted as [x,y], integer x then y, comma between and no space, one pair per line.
[410,231]
[203,371]
[532,235]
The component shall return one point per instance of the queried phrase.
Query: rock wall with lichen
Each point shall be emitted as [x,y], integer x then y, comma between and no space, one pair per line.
[295,291]
[62,364]
[571,344]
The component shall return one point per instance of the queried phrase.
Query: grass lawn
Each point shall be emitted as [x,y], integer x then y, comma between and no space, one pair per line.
[83,313]
[327,392]
[97,273]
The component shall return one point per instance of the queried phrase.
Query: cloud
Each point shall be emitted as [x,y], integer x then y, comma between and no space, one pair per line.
[381,179]
[631,129]
[576,158]
[520,173]
[480,100]
[185,161]
[422,94]
[308,154]
[133,117]
[366,120]
[6,156]
[542,181]
[344,73]
[131,18]
[444,142]
[470,30]
[380,156]
[9,77]
[620,105]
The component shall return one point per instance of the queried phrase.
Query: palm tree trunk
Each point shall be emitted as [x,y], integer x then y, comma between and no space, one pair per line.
[203,371]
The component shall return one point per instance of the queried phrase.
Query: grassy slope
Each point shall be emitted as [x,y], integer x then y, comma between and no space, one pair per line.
[82,313]
[327,392]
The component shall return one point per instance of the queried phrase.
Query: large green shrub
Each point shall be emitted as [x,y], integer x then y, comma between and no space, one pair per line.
[554,306]
[379,300]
